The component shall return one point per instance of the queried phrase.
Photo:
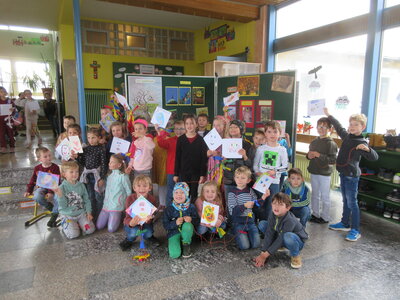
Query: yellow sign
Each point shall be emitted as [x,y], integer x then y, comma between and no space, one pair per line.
[185,82]
[244,103]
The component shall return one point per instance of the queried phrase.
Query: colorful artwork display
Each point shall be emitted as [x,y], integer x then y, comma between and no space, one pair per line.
[47,180]
[218,37]
[249,85]
[247,113]
[161,117]
[282,83]
[316,107]
[142,208]
[199,94]
[185,96]
[64,149]
[171,95]
[209,214]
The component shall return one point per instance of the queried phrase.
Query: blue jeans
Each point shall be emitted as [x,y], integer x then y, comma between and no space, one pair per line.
[39,197]
[96,199]
[131,233]
[201,229]
[54,124]
[262,226]
[246,236]
[303,213]
[349,188]
[170,189]
[293,243]
[227,189]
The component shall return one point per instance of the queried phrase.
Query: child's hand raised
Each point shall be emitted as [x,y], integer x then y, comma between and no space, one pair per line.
[179,221]
[266,194]
[187,219]
[135,221]
[326,112]
[249,204]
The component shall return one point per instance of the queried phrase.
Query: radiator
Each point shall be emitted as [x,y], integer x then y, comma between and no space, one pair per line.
[302,162]
[95,99]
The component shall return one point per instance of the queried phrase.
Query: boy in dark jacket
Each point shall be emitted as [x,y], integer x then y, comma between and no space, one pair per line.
[284,230]
[354,147]
[179,221]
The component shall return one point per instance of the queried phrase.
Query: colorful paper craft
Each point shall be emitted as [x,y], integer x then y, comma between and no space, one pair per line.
[64,149]
[76,145]
[106,122]
[122,100]
[209,214]
[232,98]
[230,148]
[213,139]
[316,107]
[161,117]
[263,183]
[142,208]
[47,180]
[119,146]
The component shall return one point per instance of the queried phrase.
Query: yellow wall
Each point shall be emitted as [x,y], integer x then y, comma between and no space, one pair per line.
[244,37]
[67,43]
[105,72]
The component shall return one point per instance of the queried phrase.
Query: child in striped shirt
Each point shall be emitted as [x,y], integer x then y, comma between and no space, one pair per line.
[241,200]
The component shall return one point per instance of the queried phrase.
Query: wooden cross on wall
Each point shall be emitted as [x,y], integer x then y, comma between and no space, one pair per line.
[95,66]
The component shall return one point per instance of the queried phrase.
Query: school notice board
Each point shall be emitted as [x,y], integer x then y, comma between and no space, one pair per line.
[262,97]
[178,94]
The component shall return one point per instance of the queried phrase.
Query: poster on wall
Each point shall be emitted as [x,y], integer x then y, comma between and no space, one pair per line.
[199,95]
[265,112]
[201,110]
[246,113]
[282,83]
[171,95]
[249,85]
[185,95]
[232,112]
[145,93]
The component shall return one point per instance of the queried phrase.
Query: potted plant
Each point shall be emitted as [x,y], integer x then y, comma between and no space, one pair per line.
[48,86]
[32,81]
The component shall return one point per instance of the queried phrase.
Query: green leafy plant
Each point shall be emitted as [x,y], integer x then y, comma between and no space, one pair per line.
[48,70]
[33,81]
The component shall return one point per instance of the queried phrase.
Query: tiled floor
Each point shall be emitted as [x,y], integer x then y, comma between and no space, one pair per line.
[39,263]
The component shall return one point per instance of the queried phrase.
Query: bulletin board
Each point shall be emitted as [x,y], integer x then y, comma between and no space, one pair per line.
[263,97]
[181,94]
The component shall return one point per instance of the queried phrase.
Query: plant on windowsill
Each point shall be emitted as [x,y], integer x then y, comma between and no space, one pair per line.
[49,87]
[32,82]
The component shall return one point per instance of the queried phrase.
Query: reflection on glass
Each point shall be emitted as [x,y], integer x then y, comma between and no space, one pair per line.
[339,81]
[5,74]
[389,3]
[310,14]
[388,106]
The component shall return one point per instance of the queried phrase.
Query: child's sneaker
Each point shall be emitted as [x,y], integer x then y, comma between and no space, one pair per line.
[353,235]
[339,226]
[295,262]
[53,220]
[186,251]
[125,245]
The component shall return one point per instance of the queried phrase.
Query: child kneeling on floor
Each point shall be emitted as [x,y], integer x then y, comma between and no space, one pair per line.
[283,230]
[141,186]
[73,203]
[179,220]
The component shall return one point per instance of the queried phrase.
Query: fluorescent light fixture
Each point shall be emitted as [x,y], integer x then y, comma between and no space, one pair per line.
[28,29]
[3,27]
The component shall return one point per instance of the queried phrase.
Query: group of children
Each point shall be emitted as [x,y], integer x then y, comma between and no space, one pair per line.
[97,189]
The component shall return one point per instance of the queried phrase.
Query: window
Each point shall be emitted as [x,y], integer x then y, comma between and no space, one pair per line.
[178,45]
[136,41]
[5,74]
[24,68]
[307,14]
[389,3]
[99,38]
[388,105]
[340,78]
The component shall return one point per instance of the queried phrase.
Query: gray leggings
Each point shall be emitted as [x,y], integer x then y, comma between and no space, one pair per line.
[72,226]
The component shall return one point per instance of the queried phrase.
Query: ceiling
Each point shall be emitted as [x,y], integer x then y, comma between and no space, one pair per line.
[184,14]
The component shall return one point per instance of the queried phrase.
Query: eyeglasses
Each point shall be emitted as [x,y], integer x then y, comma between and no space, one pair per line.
[179,128]
[322,127]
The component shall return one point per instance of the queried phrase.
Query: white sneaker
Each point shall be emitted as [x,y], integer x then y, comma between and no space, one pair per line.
[396,178]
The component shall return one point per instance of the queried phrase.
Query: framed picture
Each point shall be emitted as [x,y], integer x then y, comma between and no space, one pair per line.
[249,86]
[232,112]
[282,83]
[246,113]
[265,112]
[198,95]
[185,96]
[171,95]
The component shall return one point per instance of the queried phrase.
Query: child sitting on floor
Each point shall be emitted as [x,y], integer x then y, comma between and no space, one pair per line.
[142,186]
[179,221]
[118,188]
[73,203]
[283,230]
[41,195]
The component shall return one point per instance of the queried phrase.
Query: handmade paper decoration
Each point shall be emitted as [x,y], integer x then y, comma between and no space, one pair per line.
[209,214]
[142,208]
[122,100]
[161,117]
[249,85]
[47,180]
[76,145]
[64,149]
[263,183]
[119,146]
[316,107]
[213,139]
[232,98]
[106,122]
[199,94]
[5,109]
[230,148]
